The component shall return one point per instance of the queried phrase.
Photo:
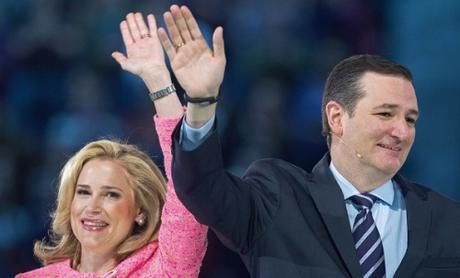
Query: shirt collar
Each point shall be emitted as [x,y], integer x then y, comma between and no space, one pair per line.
[385,192]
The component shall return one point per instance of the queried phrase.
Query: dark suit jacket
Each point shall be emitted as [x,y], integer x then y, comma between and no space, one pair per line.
[285,222]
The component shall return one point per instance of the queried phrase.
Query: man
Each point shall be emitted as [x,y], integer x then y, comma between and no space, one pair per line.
[353,215]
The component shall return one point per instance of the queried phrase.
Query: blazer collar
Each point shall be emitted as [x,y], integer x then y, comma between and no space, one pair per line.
[418,225]
[328,198]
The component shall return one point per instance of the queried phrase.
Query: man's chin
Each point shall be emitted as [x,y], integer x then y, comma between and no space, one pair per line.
[390,169]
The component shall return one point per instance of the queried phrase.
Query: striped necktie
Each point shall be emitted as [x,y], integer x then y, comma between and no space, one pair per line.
[368,244]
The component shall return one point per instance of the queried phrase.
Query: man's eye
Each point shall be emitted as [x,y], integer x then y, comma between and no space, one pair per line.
[384,114]
[411,121]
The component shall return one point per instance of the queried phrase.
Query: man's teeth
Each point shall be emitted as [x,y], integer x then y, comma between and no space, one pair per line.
[396,148]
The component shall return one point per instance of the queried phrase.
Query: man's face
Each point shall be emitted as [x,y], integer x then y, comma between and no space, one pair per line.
[382,128]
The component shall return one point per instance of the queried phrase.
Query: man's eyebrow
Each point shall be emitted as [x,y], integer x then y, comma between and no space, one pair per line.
[387,105]
[394,106]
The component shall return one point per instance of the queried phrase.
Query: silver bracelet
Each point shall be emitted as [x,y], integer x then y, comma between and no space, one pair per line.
[162,93]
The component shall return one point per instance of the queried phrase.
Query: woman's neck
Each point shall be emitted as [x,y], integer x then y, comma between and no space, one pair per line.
[96,263]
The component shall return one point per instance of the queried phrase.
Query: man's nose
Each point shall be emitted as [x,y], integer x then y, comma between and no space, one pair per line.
[402,129]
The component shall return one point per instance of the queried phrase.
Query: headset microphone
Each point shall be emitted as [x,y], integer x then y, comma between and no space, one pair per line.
[358,155]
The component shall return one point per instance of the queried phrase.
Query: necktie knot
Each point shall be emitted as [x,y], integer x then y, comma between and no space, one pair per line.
[364,200]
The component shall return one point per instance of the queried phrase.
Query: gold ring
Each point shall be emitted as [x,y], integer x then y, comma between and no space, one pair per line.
[143,36]
[179,45]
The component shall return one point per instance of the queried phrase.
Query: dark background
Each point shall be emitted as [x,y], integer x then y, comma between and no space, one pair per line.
[60,88]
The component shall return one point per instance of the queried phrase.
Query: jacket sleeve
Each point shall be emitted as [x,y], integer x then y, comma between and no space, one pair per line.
[182,240]
[238,209]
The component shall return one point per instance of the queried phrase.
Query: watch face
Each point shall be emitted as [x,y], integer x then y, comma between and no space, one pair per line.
[170,88]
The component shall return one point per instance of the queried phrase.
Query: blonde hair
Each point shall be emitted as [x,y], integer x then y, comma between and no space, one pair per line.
[149,194]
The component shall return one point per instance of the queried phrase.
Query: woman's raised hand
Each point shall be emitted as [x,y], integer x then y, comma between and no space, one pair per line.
[144,54]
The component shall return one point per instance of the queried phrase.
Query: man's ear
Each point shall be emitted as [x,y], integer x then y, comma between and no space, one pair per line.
[334,113]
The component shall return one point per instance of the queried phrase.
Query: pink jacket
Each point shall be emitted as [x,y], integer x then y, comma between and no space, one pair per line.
[182,241]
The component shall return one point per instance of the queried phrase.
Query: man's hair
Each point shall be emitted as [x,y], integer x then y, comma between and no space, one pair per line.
[149,189]
[343,83]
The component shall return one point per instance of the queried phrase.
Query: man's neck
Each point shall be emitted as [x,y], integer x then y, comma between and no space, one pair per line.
[363,178]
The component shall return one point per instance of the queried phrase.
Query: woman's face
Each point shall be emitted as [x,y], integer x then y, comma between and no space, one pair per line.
[103,210]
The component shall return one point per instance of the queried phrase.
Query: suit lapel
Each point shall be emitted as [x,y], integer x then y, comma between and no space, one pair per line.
[328,198]
[418,224]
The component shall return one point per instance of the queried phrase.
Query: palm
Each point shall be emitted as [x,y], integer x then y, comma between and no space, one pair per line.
[197,70]
[144,53]
[144,56]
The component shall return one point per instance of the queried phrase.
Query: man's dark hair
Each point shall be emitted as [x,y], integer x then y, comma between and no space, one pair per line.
[343,83]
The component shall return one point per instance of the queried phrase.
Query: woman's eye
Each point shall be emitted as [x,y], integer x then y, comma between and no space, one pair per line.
[82,192]
[113,195]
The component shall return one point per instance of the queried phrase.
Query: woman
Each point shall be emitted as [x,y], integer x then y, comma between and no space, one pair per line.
[107,220]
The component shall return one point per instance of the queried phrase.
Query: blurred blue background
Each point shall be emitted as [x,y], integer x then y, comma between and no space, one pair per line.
[60,88]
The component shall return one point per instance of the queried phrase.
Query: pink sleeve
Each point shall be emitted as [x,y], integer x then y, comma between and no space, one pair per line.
[182,240]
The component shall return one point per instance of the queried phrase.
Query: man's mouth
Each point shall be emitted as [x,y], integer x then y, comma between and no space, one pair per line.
[395,148]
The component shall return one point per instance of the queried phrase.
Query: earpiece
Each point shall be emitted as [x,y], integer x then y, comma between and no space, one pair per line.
[358,155]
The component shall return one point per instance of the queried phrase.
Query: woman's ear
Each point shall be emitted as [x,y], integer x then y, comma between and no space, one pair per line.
[140,218]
